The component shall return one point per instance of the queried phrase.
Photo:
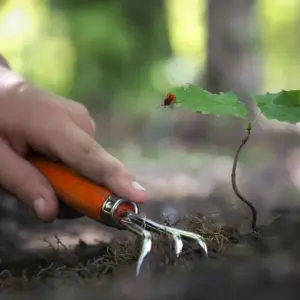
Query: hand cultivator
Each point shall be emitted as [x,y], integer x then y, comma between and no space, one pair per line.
[101,204]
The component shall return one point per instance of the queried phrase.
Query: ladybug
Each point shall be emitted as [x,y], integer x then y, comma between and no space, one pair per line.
[168,101]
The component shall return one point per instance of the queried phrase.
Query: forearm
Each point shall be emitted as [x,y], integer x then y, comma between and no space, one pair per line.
[12,86]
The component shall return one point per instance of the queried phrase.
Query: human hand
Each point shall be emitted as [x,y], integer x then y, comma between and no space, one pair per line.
[33,119]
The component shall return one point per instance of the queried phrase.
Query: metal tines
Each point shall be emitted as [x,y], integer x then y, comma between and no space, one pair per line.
[143,226]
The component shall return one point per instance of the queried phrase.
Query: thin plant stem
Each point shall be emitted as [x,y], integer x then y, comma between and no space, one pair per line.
[233,179]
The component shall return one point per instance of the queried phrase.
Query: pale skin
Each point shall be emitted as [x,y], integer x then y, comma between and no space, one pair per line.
[31,118]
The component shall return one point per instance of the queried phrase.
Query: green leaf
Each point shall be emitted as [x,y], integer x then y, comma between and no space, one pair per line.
[283,106]
[194,98]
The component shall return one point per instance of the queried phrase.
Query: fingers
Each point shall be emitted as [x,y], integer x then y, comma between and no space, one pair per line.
[79,115]
[60,129]
[78,150]
[23,180]
[123,184]
[68,136]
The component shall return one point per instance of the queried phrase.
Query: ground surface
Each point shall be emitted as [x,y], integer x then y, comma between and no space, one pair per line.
[260,261]
[48,261]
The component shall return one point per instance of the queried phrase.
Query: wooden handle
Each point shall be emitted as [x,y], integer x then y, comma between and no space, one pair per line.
[76,191]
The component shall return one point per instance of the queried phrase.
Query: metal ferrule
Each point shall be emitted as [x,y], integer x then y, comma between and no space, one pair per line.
[109,209]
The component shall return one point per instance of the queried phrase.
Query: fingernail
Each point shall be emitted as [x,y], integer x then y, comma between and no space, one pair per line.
[137,186]
[39,205]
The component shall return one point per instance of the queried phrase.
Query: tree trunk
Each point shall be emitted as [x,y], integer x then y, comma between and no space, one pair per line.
[232,64]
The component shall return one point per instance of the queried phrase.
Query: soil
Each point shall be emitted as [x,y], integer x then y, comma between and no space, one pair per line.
[263,264]
[240,264]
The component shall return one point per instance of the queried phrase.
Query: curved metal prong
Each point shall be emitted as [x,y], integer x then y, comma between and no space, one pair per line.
[187,235]
[146,244]
[178,243]
[155,227]
[177,234]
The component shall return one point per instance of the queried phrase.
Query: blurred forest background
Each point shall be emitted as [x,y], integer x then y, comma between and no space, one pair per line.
[120,57]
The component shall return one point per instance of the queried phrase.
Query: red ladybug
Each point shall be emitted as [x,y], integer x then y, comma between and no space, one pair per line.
[168,101]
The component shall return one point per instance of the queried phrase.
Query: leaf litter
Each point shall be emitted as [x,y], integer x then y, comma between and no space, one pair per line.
[103,261]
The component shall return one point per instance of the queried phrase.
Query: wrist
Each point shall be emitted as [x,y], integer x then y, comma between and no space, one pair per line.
[11,84]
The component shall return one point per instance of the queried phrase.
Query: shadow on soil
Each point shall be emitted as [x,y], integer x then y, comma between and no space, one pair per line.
[240,266]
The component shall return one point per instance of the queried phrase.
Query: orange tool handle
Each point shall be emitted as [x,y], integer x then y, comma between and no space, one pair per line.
[80,193]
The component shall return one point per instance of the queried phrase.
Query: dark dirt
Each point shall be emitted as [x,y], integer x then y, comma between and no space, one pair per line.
[105,260]
[240,266]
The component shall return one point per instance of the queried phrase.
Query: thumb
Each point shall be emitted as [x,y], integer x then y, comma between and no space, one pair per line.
[121,181]
[24,181]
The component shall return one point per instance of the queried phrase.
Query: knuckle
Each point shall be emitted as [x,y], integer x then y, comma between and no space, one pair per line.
[51,109]
[81,110]
[46,119]
[89,148]
[115,169]
[16,88]
[44,110]
[83,118]
[48,113]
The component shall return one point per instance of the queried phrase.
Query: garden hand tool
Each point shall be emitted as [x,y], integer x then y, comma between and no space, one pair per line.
[102,205]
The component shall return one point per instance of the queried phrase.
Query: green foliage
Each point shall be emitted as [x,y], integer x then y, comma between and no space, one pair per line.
[117,44]
[201,101]
[101,53]
[283,106]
